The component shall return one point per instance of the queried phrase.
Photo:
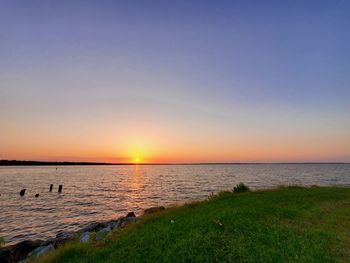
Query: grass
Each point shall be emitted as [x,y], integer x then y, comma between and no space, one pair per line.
[289,224]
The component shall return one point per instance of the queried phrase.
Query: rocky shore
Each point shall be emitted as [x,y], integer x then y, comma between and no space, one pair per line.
[29,250]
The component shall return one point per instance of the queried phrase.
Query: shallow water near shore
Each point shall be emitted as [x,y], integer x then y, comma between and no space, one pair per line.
[98,193]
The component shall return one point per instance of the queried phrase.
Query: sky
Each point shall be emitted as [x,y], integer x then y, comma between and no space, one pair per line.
[175,81]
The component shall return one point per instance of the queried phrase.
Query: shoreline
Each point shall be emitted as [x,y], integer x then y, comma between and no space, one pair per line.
[27,249]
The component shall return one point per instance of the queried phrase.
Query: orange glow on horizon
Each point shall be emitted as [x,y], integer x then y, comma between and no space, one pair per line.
[162,146]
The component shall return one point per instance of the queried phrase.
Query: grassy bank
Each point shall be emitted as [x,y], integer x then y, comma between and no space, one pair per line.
[285,225]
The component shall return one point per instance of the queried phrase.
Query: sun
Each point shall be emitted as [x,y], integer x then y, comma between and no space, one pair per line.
[137,160]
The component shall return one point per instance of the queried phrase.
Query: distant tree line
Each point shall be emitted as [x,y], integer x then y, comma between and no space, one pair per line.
[18,163]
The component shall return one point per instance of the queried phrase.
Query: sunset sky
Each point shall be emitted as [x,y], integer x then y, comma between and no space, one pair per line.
[175,81]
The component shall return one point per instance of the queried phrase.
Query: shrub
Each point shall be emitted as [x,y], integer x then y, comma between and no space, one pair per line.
[241,188]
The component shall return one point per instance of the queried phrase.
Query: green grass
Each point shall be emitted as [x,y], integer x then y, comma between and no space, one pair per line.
[289,224]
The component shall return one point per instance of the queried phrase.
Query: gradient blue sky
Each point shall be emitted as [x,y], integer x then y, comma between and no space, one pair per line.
[175,80]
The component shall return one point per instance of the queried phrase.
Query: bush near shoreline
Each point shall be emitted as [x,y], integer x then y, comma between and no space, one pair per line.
[288,224]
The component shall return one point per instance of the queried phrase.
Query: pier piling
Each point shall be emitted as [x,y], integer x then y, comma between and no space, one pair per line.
[51,186]
[22,192]
[60,188]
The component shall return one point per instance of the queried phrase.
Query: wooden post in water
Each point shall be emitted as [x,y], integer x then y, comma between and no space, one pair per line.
[51,186]
[60,188]
[22,192]
[37,195]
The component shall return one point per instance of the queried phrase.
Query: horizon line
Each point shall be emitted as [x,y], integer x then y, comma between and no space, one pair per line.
[4,162]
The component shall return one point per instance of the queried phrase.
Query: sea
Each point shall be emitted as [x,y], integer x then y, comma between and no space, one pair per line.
[99,193]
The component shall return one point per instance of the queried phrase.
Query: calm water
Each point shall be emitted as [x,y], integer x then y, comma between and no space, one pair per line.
[96,193]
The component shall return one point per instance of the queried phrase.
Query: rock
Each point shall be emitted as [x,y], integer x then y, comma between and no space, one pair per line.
[102,233]
[65,235]
[19,251]
[124,221]
[93,227]
[37,195]
[85,237]
[61,238]
[154,209]
[105,230]
[131,214]
[114,224]
[40,251]
[90,227]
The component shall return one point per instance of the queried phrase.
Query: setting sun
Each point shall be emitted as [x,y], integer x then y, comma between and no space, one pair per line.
[137,160]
